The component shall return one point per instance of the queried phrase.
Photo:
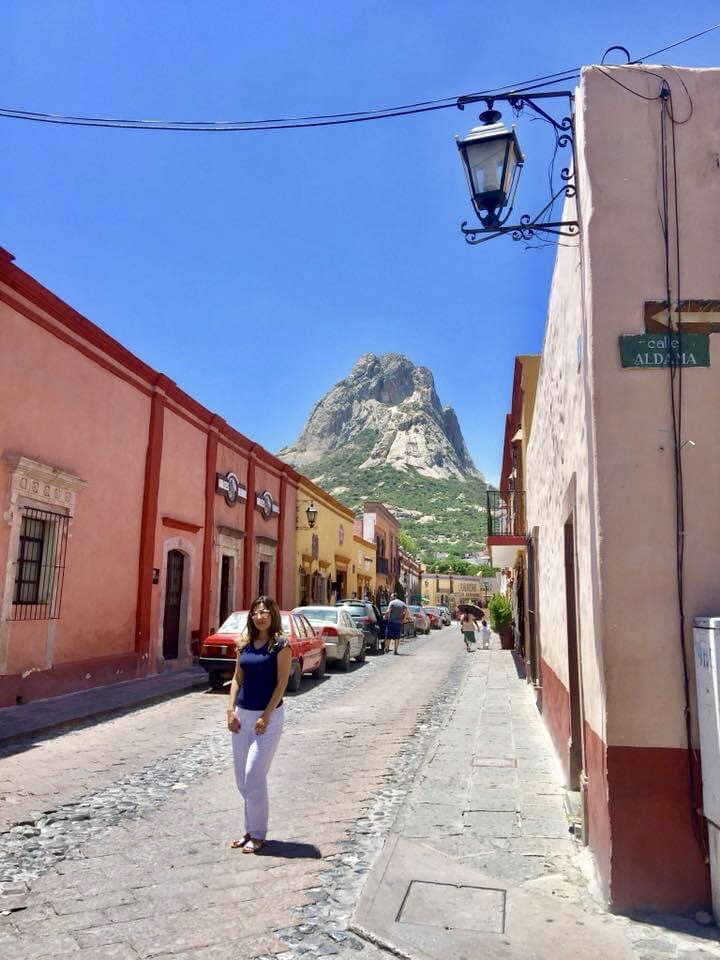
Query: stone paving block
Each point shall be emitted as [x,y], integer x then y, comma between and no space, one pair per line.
[542,827]
[53,923]
[39,948]
[543,846]
[112,951]
[80,905]
[235,949]
[491,823]
[200,934]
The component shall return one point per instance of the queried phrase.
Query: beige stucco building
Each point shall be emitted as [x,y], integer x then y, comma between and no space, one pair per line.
[620,506]
[377,525]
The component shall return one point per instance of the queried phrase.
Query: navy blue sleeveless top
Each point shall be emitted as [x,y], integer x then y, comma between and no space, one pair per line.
[259,669]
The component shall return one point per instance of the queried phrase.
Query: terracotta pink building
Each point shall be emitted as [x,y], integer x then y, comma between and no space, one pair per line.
[134,519]
[622,519]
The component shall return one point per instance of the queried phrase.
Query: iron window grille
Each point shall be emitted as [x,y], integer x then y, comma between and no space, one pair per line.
[506,513]
[40,567]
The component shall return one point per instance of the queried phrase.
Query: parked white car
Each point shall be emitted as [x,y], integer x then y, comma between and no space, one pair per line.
[343,640]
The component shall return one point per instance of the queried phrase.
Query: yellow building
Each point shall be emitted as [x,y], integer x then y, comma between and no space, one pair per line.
[333,562]
[450,589]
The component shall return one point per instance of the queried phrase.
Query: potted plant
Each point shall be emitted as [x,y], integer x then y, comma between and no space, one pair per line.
[500,612]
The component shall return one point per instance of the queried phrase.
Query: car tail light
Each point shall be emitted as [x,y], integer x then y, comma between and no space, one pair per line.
[365,620]
[329,632]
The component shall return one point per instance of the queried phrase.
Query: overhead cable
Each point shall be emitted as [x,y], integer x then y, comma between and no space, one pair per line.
[317,120]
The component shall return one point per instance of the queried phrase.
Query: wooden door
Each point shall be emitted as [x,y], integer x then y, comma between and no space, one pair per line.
[173,603]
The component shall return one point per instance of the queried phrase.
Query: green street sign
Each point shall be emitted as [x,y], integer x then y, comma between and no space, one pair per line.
[665,350]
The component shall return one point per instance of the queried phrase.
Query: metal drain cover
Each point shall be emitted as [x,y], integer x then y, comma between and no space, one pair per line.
[452,907]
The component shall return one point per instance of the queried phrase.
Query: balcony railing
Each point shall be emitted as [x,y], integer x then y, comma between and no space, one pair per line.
[382,565]
[506,513]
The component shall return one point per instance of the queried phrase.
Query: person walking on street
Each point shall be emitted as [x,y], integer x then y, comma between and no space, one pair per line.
[468,625]
[484,635]
[396,615]
[255,714]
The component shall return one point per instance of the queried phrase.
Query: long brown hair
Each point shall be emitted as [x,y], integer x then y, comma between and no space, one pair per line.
[251,632]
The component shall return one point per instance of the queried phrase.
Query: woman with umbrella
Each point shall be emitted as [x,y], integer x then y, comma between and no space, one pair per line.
[468,623]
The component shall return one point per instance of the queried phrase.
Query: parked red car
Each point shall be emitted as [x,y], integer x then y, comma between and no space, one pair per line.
[218,652]
[434,617]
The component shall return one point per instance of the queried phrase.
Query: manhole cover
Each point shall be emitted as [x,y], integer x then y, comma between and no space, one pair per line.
[493,762]
[454,907]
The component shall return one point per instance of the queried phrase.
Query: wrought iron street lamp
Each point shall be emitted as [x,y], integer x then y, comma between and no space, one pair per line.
[311,514]
[492,160]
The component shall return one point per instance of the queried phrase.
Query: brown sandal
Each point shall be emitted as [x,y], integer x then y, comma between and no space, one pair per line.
[239,844]
[252,845]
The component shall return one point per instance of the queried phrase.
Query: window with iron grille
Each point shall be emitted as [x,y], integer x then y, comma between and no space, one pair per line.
[40,565]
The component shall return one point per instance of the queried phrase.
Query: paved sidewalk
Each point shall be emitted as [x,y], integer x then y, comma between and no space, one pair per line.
[481,862]
[37,716]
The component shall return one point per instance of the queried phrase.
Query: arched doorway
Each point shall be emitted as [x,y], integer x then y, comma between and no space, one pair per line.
[173,604]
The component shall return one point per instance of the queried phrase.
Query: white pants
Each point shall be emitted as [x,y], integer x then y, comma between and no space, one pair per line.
[252,756]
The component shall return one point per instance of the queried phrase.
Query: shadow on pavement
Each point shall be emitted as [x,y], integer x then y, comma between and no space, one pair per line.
[519,665]
[677,923]
[290,850]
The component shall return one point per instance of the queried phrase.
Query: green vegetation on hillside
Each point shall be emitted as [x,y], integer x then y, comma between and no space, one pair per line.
[440,516]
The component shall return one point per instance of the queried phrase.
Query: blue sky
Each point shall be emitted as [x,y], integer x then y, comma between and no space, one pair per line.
[254,268]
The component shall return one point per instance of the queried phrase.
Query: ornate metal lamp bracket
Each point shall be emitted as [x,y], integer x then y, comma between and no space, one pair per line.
[528,227]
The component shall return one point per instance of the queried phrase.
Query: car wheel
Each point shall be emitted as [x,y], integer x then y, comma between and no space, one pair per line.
[319,670]
[216,680]
[295,677]
[427,631]
[361,657]
[344,663]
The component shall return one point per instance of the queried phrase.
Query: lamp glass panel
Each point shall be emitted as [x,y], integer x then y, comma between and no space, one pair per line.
[513,159]
[486,162]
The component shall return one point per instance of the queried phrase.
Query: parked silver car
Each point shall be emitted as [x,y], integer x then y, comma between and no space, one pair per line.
[445,616]
[422,624]
[343,639]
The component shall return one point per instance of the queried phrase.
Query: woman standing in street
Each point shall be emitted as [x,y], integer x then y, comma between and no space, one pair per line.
[255,714]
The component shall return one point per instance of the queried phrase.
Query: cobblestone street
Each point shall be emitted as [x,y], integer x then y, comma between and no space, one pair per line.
[116,835]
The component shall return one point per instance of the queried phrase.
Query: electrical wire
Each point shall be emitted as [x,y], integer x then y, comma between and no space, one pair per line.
[676,407]
[317,120]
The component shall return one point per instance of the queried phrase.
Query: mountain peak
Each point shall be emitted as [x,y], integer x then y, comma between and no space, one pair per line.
[389,408]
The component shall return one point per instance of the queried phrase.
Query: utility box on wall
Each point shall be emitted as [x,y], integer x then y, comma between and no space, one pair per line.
[707,667]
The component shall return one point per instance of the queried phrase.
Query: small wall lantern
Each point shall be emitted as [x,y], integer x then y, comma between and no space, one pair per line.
[311,514]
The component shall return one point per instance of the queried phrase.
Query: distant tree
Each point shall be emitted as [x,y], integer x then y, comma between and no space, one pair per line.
[407,543]
[487,571]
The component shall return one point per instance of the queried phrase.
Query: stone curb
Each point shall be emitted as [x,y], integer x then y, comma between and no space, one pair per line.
[41,716]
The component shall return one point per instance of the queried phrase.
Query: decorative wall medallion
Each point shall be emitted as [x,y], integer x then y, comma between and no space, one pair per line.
[229,485]
[266,505]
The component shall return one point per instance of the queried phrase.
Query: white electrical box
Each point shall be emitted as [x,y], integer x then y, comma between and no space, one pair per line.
[706,634]
[707,666]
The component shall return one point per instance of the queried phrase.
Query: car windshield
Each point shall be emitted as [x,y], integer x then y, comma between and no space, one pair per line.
[237,622]
[320,613]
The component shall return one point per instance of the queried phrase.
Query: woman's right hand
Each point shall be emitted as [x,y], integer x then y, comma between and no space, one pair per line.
[232,722]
